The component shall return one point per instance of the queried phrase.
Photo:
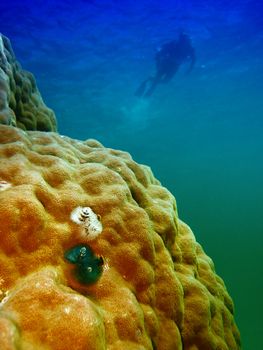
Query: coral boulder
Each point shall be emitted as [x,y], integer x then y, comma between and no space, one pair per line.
[156,288]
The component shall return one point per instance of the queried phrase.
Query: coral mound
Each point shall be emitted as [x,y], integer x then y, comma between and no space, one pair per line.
[21,104]
[157,290]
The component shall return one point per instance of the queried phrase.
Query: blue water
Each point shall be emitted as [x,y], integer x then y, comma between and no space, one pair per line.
[201,133]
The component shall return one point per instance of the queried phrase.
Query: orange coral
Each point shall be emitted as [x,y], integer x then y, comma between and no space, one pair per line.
[158,289]
[20,101]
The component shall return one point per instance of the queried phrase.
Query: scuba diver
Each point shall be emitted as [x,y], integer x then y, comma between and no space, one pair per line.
[168,59]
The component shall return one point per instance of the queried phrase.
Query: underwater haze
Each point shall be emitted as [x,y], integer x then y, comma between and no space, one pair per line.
[201,133]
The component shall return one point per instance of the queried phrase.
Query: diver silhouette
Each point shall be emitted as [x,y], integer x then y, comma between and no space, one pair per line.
[168,59]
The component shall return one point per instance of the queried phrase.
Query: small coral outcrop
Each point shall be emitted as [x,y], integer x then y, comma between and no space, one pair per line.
[143,283]
[21,104]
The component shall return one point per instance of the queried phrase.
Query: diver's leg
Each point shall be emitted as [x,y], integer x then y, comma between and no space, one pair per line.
[151,89]
[169,74]
[141,89]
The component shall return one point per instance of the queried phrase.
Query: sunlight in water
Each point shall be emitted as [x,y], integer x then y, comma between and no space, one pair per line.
[138,115]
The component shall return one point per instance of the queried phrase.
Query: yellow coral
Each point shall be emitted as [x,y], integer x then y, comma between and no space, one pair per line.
[158,289]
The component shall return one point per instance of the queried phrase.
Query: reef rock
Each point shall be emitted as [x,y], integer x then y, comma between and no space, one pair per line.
[157,290]
[21,104]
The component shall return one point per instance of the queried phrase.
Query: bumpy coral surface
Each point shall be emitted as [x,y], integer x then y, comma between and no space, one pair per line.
[20,101]
[157,290]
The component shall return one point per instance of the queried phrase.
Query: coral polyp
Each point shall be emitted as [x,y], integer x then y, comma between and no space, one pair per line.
[88,220]
[4,185]
[88,266]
